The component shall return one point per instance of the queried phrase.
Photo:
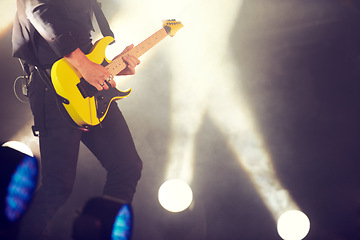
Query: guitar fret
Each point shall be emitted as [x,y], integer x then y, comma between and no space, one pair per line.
[118,64]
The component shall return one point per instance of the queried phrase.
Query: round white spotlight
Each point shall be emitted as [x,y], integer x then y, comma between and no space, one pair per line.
[175,195]
[293,225]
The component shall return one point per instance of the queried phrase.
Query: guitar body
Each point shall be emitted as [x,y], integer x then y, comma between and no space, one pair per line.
[87,106]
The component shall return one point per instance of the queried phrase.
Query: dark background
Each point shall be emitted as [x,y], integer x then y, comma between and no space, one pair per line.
[300,60]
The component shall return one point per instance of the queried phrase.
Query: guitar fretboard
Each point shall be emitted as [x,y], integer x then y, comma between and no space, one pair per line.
[117,65]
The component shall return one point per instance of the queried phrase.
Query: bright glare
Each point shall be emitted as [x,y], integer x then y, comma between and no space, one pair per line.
[293,225]
[19,146]
[7,16]
[204,84]
[175,195]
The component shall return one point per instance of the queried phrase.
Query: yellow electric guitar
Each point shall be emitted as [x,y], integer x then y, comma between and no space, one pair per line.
[85,104]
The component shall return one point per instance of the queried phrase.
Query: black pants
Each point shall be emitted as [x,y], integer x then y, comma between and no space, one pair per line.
[111,143]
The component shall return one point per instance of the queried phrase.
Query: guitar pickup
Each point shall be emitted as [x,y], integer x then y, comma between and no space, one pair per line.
[86,89]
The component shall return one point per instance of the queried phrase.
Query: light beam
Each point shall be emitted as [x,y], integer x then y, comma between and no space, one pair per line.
[7,15]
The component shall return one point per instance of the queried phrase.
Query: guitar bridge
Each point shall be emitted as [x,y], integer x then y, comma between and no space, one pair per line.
[102,98]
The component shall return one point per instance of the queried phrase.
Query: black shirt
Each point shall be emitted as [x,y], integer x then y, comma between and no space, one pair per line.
[46,30]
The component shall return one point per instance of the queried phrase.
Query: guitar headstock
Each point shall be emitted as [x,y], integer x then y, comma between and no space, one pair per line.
[172,26]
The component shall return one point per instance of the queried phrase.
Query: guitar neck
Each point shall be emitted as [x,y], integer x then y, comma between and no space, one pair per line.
[117,65]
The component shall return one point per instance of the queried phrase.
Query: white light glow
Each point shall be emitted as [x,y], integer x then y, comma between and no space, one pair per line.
[7,15]
[175,195]
[19,146]
[201,66]
[293,225]
[26,136]
[205,82]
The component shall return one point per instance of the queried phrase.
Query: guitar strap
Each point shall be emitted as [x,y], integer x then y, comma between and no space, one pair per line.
[101,19]
[29,68]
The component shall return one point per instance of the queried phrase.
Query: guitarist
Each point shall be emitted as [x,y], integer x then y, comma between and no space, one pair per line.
[44,32]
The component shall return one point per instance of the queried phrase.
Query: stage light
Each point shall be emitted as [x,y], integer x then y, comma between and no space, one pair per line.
[18,180]
[175,195]
[104,218]
[293,225]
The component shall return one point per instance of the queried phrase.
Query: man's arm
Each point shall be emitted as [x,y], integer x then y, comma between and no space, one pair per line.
[96,74]
[92,72]
[130,60]
[49,22]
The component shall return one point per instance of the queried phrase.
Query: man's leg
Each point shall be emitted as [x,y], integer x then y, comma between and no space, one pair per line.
[113,145]
[59,147]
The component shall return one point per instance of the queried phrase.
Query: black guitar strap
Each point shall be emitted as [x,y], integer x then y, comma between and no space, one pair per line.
[101,19]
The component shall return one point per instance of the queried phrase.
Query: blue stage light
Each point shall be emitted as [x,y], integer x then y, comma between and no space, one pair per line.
[21,188]
[18,181]
[122,225]
[104,218]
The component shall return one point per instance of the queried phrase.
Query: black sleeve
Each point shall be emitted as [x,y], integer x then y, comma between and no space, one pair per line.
[50,20]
